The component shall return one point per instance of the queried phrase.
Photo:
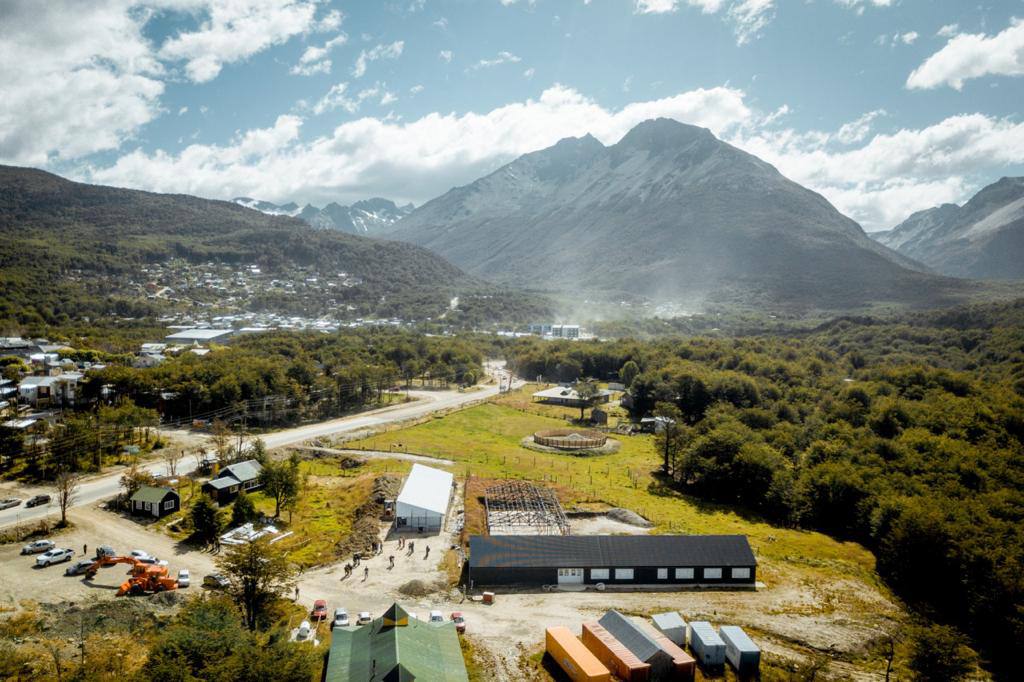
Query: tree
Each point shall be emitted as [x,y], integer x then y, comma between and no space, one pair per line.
[587,390]
[135,478]
[243,510]
[66,485]
[669,436]
[221,437]
[205,522]
[259,573]
[171,459]
[628,373]
[281,481]
[258,450]
[937,653]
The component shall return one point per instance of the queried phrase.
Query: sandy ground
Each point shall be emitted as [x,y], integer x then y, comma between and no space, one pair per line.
[20,580]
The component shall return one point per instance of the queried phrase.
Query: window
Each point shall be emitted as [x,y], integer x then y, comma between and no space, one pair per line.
[599,574]
[623,573]
[684,574]
[712,573]
[234,488]
[740,573]
[169,504]
[662,574]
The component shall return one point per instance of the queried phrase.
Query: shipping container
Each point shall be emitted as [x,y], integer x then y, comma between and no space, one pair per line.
[574,658]
[706,645]
[672,625]
[684,667]
[740,650]
[614,654]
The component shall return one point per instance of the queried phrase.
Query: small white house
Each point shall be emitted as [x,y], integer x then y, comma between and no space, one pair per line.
[423,502]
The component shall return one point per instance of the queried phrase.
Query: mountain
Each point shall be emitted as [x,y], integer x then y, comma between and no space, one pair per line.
[73,250]
[983,239]
[367,217]
[670,213]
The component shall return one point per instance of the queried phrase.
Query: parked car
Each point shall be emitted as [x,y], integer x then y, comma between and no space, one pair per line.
[151,560]
[304,630]
[38,546]
[460,622]
[216,581]
[363,618]
[184,577]
[138,553]
[37,500]
[436,617]
[9,502]
[54,556]
[340,618]
[105,551]
[79,567]
[319,611]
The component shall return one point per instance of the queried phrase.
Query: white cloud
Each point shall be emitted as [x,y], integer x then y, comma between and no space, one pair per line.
[234,31]
[330,21]
[314,59]
[528,73]
[749,18]
[968,56]
[856,131]
[859,5]
[503,57]
[445,56]
[182,111]
[948,31]
[907,38]
[381,51]
[441,23]
[890,176]
[77,78]
[413,160]
[416,89]
[339,97]
[666,6]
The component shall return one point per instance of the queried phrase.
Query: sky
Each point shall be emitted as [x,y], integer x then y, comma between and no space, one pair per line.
[885,107]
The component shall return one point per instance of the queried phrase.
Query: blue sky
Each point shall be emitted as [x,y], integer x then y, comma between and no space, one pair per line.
[884,106]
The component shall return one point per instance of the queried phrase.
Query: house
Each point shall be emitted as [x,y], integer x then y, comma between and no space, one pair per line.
[568,397]
[230,480]
[423,502]
[656,561]
[396,647]
[199,337]
[667,661]
[155,502]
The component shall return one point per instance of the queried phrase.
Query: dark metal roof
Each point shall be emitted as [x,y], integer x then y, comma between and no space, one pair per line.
[600,551]
[629,633]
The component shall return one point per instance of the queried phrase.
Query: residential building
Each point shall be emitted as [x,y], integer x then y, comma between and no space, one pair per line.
[155,502]
[232,479]
[567,396]
[199,337]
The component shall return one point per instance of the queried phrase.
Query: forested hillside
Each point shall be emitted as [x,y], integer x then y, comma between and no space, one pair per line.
[904,434]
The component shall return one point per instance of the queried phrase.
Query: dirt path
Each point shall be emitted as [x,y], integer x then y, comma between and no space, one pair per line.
[378,454]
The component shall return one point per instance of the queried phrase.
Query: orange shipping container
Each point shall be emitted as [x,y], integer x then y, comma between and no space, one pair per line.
[574,658]
[614,654]
[684,664]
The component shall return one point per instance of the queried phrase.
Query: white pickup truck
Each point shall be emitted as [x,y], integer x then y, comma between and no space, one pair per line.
[54,556]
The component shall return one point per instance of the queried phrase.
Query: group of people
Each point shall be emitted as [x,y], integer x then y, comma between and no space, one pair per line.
[378,548]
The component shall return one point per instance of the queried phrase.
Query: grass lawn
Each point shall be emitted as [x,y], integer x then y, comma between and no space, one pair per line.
[485,441]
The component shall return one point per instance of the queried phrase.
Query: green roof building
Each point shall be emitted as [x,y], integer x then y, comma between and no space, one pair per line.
[396,648]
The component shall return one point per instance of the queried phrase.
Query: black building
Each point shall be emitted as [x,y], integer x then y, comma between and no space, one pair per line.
[649,560]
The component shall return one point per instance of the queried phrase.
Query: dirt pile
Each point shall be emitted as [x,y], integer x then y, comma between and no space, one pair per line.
[366,526]
[420,588]
[629,516]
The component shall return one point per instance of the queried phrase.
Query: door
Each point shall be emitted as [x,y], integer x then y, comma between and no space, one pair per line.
[570,576]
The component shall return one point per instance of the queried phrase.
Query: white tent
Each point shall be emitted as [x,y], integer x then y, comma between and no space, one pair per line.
[424,499]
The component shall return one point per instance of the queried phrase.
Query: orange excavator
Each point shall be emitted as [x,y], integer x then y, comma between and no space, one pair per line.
[144,578]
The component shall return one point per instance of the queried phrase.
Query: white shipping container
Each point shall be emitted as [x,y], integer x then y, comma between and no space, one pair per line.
[740,650]
[708,648]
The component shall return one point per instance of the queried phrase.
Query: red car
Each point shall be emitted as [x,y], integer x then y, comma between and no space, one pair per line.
[319,611]
[460,622]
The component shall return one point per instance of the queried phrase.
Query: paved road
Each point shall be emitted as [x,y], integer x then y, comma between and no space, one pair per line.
[105,486]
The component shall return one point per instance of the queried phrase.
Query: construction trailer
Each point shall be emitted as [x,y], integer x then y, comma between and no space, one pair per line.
[706,645]
[571,656]
[672,625]
[614,654]
[740,651]
[655,561]
[423,502]
[667,661]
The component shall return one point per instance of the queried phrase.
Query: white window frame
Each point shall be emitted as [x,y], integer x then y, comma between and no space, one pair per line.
[168,504]
[599,574]
[234,489]
[662,574]
[684,574]
[623,573]
[712,573]
[741,573]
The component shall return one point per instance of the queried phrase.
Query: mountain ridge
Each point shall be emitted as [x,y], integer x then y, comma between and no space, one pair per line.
[668,211]
[983,239]
[366,217]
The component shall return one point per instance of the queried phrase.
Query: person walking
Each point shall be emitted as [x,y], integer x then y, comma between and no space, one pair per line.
[412,547]
[296,593]
[366,573]
[427,553]
[391,559]
[85,549]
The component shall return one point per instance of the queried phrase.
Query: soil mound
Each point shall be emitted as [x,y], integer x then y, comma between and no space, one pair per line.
[629,516]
